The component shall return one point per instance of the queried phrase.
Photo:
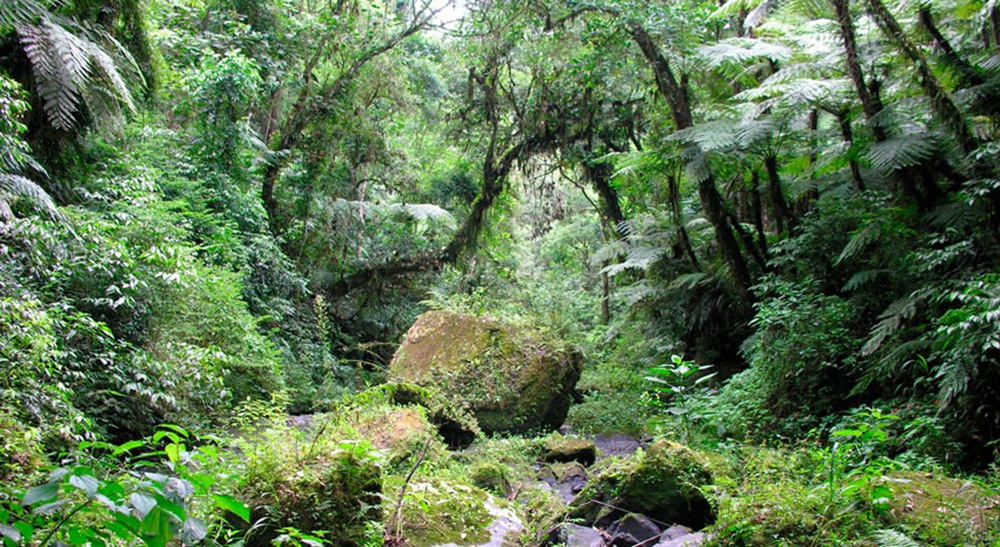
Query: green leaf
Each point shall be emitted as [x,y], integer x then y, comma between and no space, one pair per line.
[171,507]
[9,531]
[131,445]
[49,508]
[193,531]
[173,452]
[176,428]
[88,484]
[79,536]
[26,530]
[155,527]
[41,493]
[233,505]
[143,503]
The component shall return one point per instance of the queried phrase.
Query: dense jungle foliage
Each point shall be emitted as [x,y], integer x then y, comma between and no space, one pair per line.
[772,228]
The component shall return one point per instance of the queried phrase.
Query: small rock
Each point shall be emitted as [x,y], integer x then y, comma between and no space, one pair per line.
[574,535]
[565,449]
[632,529]
[616,445]
[570,479]
[675,532]
[687,540]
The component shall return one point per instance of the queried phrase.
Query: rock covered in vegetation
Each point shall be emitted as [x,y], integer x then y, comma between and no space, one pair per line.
[512,379]
[632,529]
[557,448]
[335,494]
[441,512]
[662,483]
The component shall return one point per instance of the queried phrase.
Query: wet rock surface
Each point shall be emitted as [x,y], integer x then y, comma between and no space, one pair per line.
[511,379]
[632,529]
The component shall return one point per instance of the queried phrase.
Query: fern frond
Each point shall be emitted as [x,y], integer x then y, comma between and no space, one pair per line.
[18,186]
[812,9]
[732,8]
[892,538]
[902,151]
[638,258]
[862,278]
[709,136]
[19,12]
[861,239]
[639,292]
[739,51]
[70,69]
[757,15]
[889,322]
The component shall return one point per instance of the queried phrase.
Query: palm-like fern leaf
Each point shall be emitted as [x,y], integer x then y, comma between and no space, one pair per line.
[889,322]
[892,538]
[709,136]
[69,67]
[901,151]
[13,186]
[739,51]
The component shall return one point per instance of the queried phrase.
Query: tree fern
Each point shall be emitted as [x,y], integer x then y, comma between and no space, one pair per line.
[15,157]
[889,322]
[14,186]
[739,51]
[69,65]
[902,151]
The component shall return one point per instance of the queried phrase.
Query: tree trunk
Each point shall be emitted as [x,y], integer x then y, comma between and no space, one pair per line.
[969,74]
[847,133]
[870,103]
[779,207]
[711,201]
[942,105]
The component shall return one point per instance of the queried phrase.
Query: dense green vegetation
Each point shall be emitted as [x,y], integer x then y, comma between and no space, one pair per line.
[771,229]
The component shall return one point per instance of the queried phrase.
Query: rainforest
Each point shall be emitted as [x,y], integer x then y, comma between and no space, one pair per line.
[582,273]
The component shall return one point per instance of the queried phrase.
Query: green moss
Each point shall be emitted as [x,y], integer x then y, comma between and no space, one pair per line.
[944,510]
[335,494]
[510,378]
[557,448]
[663,483]
[491,476]
[437,511]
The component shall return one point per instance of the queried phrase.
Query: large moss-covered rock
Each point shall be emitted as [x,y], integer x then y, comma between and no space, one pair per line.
[512,379]
[663,483]
[330,493]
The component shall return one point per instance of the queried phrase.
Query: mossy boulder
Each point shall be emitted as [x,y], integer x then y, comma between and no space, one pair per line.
[335,494]
[512,379]
[402,432]
[663,483]
[557,448]
[437,511]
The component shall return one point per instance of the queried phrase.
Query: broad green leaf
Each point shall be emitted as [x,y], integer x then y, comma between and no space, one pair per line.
[79,536]
[88,484]
[193,531]
[9,531]
[155,527]
[233,505]
[27,530]
[49,508]
[131,445]
[173,452]
[143,503]
[171,507]
[41,493]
